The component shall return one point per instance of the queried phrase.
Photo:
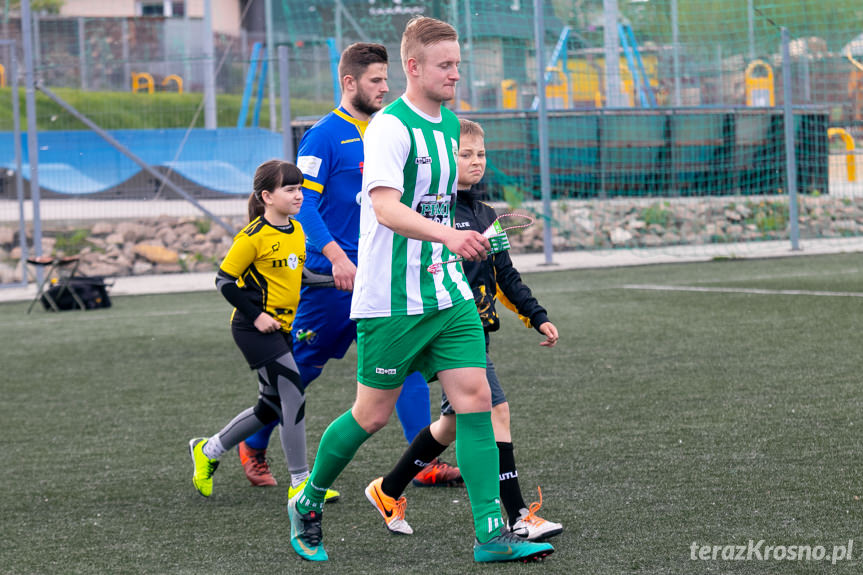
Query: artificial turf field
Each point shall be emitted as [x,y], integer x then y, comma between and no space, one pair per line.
[664,417]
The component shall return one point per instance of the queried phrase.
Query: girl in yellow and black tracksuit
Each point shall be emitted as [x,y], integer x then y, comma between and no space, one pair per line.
[261,276]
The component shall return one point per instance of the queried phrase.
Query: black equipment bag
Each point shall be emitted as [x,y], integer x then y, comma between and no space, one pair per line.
[92,290]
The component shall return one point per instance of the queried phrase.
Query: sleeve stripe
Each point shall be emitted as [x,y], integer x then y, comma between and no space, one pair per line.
[314,186]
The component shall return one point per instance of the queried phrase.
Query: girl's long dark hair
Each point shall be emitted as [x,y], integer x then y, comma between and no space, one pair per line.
[271,175]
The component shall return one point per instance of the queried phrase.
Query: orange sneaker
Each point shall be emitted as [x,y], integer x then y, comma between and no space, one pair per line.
[438,474]
[255,465]
[391,509]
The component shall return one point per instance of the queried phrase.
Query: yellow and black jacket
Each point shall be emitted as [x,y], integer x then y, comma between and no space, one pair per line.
[495,277]
[263,271]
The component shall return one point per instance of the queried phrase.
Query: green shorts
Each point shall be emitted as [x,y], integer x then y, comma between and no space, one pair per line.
[391,348]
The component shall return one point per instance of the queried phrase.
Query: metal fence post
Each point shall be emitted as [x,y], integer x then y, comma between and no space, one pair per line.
[542,128]
[790,155]
[210,122]
[19,176]
[285,92]
[82,52]
[613,96]
[127,66]
[32,142]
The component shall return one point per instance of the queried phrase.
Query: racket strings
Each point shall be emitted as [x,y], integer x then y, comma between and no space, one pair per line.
[496,235]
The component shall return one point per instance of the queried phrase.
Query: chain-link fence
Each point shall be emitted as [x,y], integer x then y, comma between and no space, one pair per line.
[666,119]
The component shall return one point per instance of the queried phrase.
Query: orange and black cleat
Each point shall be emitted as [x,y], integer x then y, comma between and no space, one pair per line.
[439,474]
[255,465]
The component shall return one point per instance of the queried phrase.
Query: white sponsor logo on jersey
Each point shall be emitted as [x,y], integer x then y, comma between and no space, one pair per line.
[309,165]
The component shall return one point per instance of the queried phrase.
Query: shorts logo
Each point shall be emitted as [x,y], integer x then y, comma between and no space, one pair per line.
[423,160]
[384,371]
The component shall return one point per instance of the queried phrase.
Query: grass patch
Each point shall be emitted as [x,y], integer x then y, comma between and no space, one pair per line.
[661,419]
[125,110]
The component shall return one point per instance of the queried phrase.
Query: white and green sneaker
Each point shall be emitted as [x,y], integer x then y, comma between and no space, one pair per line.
[306,533]
[204,466]
[510,547]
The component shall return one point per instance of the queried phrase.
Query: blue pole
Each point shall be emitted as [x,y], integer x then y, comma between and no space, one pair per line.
[334,69]
[624,41]
[257,116]
[250,81]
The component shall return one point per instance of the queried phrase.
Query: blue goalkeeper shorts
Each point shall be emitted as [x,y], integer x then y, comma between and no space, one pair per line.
[323,329]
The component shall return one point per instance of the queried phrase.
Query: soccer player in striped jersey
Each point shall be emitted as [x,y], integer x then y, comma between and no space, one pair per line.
[407,318]
[331,158]
[487,278]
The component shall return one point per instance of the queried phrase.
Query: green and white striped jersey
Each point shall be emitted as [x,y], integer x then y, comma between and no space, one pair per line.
[411,152]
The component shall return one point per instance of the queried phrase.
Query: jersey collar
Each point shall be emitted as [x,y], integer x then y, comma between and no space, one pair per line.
[343,114]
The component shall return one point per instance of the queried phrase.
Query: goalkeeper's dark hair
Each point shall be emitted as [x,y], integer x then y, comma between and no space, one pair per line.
[470,128]
[270,176]
[357,57]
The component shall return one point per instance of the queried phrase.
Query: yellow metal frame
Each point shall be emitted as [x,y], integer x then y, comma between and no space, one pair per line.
[850,159]
[509,94]
[754,84]
[559,90]
[174,78]
[2,76]
[137,77]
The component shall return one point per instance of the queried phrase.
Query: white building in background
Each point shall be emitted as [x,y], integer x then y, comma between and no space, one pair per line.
[226,13]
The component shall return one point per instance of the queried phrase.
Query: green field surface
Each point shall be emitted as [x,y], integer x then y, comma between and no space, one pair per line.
[708,404]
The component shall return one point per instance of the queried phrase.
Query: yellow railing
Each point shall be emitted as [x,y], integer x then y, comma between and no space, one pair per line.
[850,158]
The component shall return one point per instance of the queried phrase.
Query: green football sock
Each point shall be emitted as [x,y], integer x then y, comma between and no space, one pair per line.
[338,446]
[479,463]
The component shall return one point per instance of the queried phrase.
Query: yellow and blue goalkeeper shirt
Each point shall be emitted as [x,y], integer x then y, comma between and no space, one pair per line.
[331,156]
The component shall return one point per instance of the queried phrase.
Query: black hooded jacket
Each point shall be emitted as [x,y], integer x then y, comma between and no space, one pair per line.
[496,271]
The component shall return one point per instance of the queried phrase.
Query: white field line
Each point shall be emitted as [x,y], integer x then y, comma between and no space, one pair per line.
[780,276]
[754,291]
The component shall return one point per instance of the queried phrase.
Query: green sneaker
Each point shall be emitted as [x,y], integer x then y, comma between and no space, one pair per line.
[510,547]
[204,466]
[306,534]
[331,497]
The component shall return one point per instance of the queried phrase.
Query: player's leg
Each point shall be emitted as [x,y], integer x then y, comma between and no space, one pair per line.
[385,493]
[337,448]
[414,405]
[327,332]
[380,341]
[460,358]
[206,452]
[522,519]
[259,349]
[253,451]
[413,408]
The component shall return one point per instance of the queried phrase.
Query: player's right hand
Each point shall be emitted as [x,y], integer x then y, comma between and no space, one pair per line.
[265,323]
[468,244]
[344,272]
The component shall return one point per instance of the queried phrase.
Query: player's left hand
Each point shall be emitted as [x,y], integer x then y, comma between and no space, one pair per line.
[550,332]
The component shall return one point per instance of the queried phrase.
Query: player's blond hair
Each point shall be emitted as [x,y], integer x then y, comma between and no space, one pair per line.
[422,32]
